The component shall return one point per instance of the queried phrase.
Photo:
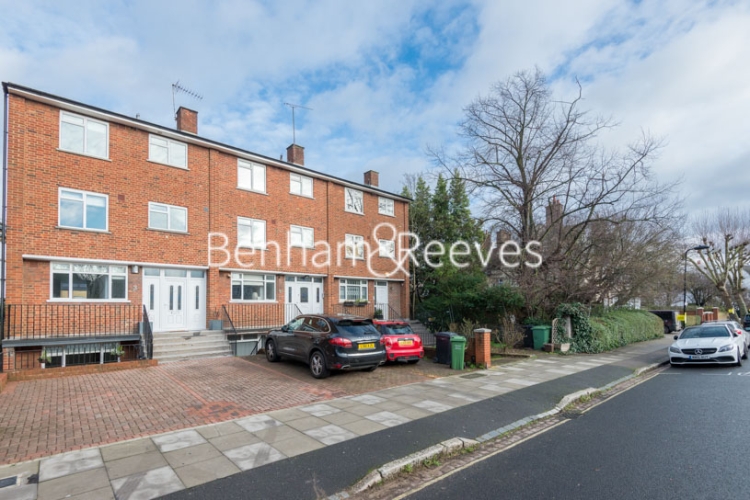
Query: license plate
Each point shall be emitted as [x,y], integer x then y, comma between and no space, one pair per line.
[698,357]
[362,347]
[406,343]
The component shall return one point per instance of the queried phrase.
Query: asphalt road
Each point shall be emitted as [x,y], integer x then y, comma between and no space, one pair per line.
[334,468]
[682,434]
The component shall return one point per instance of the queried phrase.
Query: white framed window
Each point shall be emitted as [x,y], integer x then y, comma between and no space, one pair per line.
[88,281]
[300,185]
[167,151]
[83,210]
[354,246]
[167,217]
[351,290]
[251,233]
[81,134]
[254,287]
[387,248]
[354,201]
[301,237]
[251,176]
[386,206]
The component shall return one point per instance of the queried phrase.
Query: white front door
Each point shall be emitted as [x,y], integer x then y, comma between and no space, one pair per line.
[306,293]
[175,299]
[381,297]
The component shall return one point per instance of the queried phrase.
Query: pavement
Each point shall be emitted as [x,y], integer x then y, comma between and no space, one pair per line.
[325,443]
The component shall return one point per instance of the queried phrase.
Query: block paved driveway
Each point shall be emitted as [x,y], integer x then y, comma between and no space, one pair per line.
[45,417]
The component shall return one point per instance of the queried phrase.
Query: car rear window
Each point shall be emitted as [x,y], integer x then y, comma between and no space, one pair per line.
[703,333]
[398,329]
[356,328]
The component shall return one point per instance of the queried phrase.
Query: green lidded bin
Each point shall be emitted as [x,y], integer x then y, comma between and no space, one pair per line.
[457,352]
[542,335]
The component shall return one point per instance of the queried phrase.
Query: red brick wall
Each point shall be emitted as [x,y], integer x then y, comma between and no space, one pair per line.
[208,189]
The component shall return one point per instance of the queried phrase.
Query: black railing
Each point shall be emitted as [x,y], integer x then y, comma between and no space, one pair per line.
[366,309]
[243,317]
[33,321]
[73,355]
[147,336]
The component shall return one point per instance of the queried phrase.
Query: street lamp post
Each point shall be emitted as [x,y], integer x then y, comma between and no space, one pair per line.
[684,288]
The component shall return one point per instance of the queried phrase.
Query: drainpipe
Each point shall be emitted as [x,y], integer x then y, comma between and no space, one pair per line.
[4,216]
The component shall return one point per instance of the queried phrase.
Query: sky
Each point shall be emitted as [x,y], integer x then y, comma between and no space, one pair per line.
[386,80]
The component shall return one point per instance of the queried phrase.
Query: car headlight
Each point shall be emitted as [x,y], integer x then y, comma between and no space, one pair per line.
[726,348]
[675,349]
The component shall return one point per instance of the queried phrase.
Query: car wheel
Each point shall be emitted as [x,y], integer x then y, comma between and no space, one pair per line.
[739,358]
[272,354]
[318,367]
[744,354]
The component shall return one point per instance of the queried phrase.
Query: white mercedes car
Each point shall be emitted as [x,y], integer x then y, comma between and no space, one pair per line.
[708,343]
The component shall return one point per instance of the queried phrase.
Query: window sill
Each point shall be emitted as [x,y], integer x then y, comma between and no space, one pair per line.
[302,247]
[237,301]
[170,231]
[83,154]
[67,228]
[353,212]
[387,215]
[252,190]
[89,301]
[302,195]
[167,165]
[262,249]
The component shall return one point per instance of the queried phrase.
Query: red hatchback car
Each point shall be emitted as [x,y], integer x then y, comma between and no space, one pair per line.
[401,343]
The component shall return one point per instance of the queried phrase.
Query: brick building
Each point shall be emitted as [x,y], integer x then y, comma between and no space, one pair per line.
[113,224]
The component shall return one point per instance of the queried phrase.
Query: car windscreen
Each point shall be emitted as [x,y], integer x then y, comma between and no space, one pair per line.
[356,328]
[398,329]
[703,333]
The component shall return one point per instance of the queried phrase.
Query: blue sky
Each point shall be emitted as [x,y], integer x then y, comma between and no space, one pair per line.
[387,79]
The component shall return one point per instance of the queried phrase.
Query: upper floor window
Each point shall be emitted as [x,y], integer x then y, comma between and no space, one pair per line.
[302,237]
[251,233]
[167,217]
[82,210]
[88,281]
[354,201]
[167,151]
[251,176]
[354,246]
[385,206]
[387,248]
[301,185]
[80,134]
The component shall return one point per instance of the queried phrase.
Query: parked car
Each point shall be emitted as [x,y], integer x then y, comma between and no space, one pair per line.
[327,343]
[708,343]
[401,343]
[737,328]
[746,322]
[669,318]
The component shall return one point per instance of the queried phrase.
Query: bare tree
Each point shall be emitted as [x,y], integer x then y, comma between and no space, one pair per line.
[727,234]
[700,288]
[525,150]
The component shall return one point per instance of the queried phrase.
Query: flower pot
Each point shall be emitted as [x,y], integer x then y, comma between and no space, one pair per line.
[550,347]
[563,347]
[118,359]
[42,365]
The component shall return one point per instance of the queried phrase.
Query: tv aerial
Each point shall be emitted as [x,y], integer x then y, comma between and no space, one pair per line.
[177,88]
[294,106]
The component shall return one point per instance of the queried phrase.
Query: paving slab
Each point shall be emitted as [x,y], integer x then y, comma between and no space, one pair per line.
[258,423]
[203,472]
[178,440]
[134,464]
[388,419]
[69,463]
[297,446]
[218,430]
[21,492]
[331,434]
[254,455]
[73,484]
[364,427]
[147,485]
[224,443]
[189,456]
[127,449]
[309,422]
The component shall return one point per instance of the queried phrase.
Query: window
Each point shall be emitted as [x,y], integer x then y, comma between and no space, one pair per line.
[302,237]
[385,206]
[253,287]
[353,201]
[167,151]
[167,217]
[79,134]
[251,233]
[355,246]
[88,281]
[83,210]
[352,290]
[251,176]
[387,248]
[301,185]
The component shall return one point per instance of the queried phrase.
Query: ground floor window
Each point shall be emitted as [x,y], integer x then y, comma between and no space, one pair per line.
[352,290]
[89,281]
[253,287]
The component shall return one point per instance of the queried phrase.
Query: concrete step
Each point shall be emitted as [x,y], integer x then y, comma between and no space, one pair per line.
[181,357]
[186,340]
[212,346]
[178,346]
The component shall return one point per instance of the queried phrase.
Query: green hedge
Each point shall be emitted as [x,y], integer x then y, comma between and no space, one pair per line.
[611,329]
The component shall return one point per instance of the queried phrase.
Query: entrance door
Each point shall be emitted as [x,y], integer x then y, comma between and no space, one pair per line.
[306,293]
[175,299]
[173,304]
[381,297]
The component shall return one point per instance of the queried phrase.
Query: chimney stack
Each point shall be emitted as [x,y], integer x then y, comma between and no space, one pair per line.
[295,154]
[187,120]
[371,178]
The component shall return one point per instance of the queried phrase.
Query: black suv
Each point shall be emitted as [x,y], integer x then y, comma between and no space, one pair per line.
[746,322]
[327,343]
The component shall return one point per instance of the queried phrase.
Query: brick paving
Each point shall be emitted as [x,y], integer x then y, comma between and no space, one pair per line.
[44,417]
